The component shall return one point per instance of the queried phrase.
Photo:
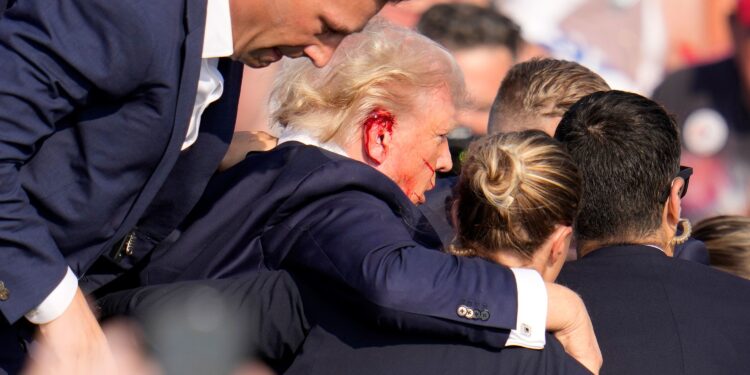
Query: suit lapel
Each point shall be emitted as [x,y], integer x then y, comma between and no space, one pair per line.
[195,19]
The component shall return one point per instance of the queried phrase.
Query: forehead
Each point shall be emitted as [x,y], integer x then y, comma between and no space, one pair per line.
[347,15]
[434,110]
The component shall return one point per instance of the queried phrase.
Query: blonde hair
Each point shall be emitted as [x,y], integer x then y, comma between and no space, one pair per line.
[384,66]
[728,241]
[538,89]
[513,190]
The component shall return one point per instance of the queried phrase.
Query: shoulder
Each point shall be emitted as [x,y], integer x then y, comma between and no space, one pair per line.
[107,43]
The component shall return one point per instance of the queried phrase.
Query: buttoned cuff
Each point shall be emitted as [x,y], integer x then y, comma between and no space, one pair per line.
[532,310]
[56,302]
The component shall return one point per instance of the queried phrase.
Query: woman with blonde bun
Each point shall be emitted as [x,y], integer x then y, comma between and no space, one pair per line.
[516,200]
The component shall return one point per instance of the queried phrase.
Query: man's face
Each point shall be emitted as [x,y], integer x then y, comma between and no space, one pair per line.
[420,144]
[484,68]
[264,34]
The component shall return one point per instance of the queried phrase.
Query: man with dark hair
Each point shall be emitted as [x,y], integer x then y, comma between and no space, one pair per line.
[651,313]
[485,44]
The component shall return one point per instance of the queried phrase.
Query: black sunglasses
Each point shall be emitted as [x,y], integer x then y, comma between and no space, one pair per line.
[684,173]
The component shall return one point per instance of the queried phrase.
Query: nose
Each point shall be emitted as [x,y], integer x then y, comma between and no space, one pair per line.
[320,54]
[444,162]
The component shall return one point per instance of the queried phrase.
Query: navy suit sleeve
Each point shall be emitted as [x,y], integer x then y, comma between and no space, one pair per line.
[56,57]
[359,241]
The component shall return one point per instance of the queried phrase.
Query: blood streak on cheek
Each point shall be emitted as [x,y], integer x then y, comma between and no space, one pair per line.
[432,170]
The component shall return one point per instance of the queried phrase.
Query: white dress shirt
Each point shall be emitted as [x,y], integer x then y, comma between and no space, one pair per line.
[217,42]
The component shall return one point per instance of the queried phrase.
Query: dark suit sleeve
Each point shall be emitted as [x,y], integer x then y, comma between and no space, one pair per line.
[358,241]
[56,57]
[261,315]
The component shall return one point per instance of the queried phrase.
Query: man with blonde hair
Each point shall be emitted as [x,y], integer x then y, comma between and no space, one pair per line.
[360,143]
[536,93]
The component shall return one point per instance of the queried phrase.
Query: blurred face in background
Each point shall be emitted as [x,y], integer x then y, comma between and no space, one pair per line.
[484,69]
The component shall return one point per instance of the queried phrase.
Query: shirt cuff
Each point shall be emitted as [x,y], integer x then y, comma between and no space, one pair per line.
[56,302]
[532,310]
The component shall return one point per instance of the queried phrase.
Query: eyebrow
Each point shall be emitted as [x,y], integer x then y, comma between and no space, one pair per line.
[339,28]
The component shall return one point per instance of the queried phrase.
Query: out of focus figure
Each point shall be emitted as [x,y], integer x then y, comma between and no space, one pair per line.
[485,44]
[727,238]
[712,106]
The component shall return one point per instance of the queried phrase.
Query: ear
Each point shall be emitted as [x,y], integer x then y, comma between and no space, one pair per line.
[377,132]
[673,208]
[560,244]
[556,252]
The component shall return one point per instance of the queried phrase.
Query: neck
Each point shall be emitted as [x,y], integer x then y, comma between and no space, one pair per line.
[586,247]
[512,260]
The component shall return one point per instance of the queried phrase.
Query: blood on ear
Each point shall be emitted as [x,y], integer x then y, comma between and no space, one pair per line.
[381,121]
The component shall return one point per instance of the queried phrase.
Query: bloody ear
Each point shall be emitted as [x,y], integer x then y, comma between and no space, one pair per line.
[378,129]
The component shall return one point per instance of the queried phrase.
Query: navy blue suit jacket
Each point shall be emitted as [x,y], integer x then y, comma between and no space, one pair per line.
[95,100]
[304,209]
[341,341]
[657,315]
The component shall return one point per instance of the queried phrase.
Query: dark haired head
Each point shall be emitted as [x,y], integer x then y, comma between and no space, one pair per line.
[459,26]
[627,148]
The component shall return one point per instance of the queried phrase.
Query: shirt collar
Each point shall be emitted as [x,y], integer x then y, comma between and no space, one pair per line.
[288,135]
[217,37]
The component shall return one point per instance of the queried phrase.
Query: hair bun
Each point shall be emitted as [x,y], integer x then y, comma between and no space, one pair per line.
[499,174]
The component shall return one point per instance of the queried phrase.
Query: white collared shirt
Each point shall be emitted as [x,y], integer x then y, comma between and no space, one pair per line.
[217,42]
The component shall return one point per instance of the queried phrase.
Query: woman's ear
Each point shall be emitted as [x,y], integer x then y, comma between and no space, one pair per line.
[561,243]
[558,252]
[377,133]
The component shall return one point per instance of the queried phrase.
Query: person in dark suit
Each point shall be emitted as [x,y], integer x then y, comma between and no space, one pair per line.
[336,200]
[516,200]
[653,314]
[113,116]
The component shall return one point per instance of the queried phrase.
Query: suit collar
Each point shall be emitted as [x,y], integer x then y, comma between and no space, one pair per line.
[624,250]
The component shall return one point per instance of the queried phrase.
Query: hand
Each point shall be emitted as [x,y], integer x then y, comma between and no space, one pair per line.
[568,319]
[244,142]
[72,344]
